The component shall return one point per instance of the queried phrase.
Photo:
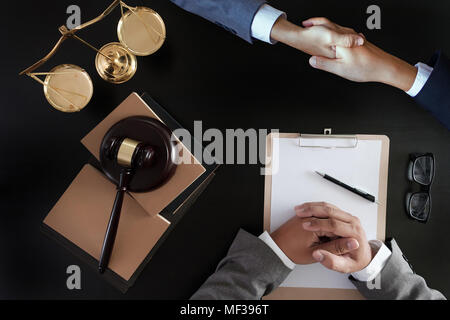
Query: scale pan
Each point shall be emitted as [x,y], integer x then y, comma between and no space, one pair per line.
[68,88]
[141,30]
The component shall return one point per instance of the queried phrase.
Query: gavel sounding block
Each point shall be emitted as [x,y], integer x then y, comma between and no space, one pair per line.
[185,174]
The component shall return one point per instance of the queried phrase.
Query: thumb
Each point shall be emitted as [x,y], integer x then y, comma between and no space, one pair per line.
[347,40]
[332,261]
[339,246]
[323,63]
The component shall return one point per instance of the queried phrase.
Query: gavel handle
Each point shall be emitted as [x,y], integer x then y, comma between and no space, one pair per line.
[111,231]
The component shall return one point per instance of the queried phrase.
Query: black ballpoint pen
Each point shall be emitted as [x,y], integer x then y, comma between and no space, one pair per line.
[360,193]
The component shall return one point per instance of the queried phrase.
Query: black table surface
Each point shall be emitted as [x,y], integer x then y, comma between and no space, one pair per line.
[205,73]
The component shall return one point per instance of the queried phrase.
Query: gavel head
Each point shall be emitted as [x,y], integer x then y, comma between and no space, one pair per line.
[130,153]
[143,145]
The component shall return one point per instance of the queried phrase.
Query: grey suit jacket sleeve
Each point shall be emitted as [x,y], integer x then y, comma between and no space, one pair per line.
[235,16]
[249,271]
[397,281]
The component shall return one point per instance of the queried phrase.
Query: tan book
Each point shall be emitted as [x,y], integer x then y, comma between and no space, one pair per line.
[82,213]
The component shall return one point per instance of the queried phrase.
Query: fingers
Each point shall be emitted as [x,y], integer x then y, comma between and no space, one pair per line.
[330,225]
[333,262]
[322,209]
[323,63]
[339,246]
[343,36]
[329,235]
[347,40]
[318,22]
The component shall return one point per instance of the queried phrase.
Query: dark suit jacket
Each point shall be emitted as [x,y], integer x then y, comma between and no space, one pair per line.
[251,270]
[435,95]
[235,16]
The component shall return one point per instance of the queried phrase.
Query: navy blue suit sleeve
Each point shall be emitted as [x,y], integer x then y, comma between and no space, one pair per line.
[435,95]
[235,16]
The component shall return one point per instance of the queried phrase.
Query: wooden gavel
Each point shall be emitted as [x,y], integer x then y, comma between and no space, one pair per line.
[136,165]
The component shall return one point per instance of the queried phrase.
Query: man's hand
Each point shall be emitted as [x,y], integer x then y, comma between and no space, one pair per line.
[299,244]
[326,218]
[319,37]
[368,63]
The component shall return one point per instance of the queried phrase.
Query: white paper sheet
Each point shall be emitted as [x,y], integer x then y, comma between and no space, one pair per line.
[295,182]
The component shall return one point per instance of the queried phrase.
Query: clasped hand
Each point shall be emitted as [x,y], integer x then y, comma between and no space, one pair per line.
[319,37]
[344,52]
[321,232]
[358,60]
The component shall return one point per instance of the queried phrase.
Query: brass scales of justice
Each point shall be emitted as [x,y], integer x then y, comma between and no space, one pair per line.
[68,87]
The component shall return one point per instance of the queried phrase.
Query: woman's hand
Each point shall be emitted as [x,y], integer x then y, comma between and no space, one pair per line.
[368,63]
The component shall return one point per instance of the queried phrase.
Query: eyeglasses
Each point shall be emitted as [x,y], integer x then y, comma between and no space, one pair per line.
[68,88]
[421,170]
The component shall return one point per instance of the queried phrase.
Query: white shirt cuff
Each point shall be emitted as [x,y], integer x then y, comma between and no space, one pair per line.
[423,73]
[263,22]
[377,264]
[267,239]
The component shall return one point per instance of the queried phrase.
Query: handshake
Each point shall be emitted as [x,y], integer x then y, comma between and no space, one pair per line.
[344,52]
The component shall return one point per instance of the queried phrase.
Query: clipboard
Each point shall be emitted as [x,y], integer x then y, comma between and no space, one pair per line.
[351,141]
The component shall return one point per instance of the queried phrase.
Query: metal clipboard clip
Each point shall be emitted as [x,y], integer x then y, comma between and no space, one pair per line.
[327,140]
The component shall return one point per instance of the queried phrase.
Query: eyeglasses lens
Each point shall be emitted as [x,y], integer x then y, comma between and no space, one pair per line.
[423,170]
[420,206]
